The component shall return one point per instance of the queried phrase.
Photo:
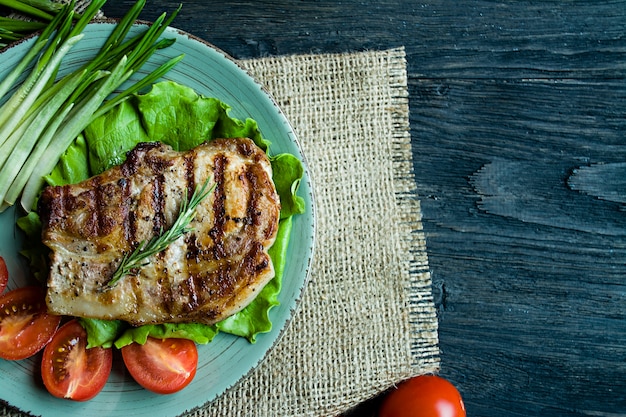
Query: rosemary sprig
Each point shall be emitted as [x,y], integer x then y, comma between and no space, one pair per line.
[136,259]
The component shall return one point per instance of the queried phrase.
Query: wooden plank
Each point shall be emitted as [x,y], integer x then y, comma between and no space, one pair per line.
[445,38]
[605,181]
[527,270]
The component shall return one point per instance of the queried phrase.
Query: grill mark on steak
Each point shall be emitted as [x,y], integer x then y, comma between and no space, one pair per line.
[131,227]
[55,204]
[158,204]
[165,290]
[252,263]
[245,148]
[125,211]
[194,288]
[190,178]
[219,209]
[253,211]
[194,252]
[133,157]
[99,215]
[98,224]
[190,293]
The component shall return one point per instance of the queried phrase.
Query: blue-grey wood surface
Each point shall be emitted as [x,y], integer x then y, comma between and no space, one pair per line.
[518,121]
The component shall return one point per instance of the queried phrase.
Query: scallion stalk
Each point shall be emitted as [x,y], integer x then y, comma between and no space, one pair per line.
[41,43]
[31,135]
[19,26]
[29,17]
[49,6]
[28,9]
[44,116]
[16,110]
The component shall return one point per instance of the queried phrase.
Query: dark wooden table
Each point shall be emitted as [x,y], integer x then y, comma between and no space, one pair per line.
[518,121]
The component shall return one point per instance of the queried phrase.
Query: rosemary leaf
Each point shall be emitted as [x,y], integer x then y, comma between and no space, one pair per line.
[186,213]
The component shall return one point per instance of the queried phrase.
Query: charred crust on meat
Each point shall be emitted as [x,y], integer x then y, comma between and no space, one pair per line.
[193,250]
[253,205]
[156,162]
[245,148]
[103,222]
[158,204]
[219,208]
[165,290]
[241,220]
[190,177]
[134,157]
[201,278]
[125,212]
[254,260]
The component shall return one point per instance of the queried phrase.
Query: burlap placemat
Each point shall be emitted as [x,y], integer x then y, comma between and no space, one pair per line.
[367,319]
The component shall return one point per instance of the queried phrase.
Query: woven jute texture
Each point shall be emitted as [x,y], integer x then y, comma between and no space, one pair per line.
[367,319]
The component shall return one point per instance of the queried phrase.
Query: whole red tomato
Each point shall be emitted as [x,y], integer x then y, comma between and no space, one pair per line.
[423,396]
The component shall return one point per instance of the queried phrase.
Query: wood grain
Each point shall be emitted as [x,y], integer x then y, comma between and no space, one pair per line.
[518,114]
[605,181]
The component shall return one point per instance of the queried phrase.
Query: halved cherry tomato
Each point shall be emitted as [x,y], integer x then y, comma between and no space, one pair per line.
[4,275]
[423,396]
[70,370]
[25,325]
[163,366]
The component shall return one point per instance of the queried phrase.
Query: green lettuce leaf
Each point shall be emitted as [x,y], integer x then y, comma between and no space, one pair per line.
[170,113]
[199,333]
[102,333]
[176,115]
[73,166]
[35,252]
[287,172]
[111,136]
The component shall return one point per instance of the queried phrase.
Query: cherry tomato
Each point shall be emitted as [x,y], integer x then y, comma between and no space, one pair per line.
[70,370]
[4,275]
[163,366]
[25,325]
[423,396]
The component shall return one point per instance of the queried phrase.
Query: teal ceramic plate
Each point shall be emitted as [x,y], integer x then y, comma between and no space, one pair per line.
[227,359]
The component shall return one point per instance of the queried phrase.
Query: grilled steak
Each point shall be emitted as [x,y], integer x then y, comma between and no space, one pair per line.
[205,276]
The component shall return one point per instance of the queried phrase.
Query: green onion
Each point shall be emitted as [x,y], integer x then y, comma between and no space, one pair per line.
[29,16]
[44,115]
[19,26]
[42,5]
[40,44]
[38,11]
